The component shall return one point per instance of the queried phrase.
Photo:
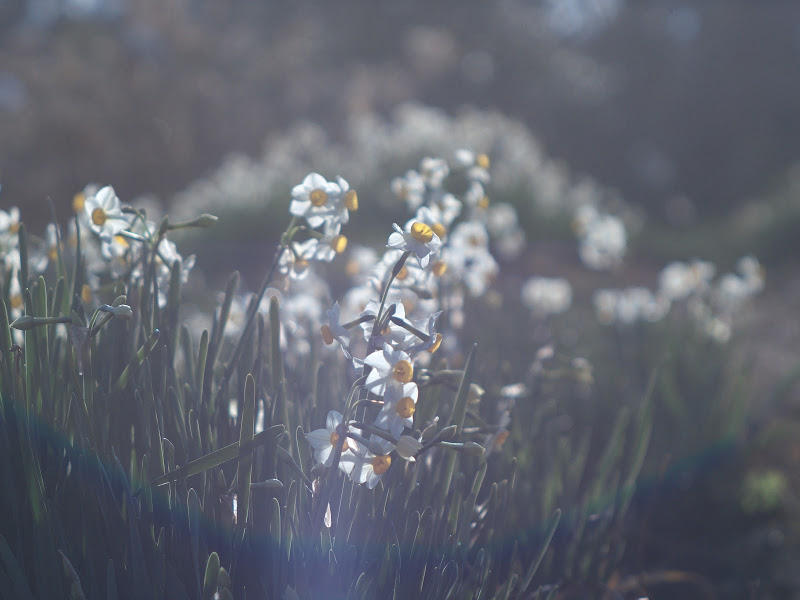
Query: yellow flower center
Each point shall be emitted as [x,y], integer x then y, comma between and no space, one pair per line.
[352,268]
[402,274]
[14,227]
[421,232]
[351,200]
[439,268]
[318,197]
[381,464]
[86,293]
[439,229]
[327,334]
[405,407]
[121,240]
[16,300]
[437,341]
[403,371]
[339,243]
[335,439]
[52,253]
[483,202]
[300,264]
[501,439]
[78,200]
[482,160]
[99,217]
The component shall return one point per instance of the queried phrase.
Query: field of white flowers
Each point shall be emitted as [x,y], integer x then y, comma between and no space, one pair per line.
[402,353]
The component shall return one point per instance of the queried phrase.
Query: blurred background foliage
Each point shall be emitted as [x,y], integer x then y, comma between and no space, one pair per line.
[688,108]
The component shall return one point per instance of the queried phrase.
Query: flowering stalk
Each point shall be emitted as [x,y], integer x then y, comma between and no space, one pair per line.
[395,272]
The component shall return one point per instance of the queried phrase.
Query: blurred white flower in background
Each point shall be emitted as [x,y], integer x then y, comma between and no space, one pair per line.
[547,295]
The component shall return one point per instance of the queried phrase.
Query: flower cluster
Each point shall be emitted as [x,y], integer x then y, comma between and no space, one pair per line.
[119,241]
[547,295]
[449,237]
[325,206]
[712,303]
[395,307]
[603,237]
[373,146]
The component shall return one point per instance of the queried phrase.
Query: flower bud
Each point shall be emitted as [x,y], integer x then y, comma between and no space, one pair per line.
[473,449]
[123,311]
[206,220]
[408,447]
[25,322]
[447,433]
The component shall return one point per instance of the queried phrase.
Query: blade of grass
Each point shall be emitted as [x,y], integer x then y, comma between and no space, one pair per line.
[143,352]
[456,418]
[548,536]
[216,458]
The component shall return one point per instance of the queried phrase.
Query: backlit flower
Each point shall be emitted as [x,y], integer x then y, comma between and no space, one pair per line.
[400,403]
[333,331]
[369,467]
[324,440]
[389,367]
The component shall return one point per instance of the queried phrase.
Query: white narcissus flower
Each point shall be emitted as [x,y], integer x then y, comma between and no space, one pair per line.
[370,466]
[547,295]
[323,441]
[420,239]
[397,413]
[433,217]
[333,331]
[9,226]
[295,262]
[389,367]
[320,200]
[392,333]
[434,171]
[604,243]
[331,243]
[104,213]
[410,188]
[428,327]
[477,165]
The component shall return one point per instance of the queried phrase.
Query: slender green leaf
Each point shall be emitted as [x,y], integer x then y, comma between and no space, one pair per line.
[210,579]
[548,536]
[218,457]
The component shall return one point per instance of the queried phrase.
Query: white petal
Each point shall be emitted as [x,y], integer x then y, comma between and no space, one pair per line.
[333,420]
[318,438]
